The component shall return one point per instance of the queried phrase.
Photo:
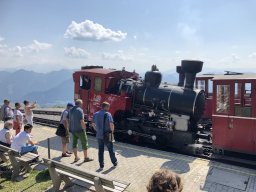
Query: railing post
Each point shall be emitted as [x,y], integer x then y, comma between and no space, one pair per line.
[49,152]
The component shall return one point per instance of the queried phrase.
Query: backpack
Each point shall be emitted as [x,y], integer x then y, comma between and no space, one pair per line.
[2,111]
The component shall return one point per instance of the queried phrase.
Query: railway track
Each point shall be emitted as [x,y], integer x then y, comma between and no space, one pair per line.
[204,152]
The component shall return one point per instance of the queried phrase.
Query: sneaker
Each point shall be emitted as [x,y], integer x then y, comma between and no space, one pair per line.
[65,155]
[87,159]
[115,164]
[69,152]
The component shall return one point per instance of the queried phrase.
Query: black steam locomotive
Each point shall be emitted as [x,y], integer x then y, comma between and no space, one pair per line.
[164,113]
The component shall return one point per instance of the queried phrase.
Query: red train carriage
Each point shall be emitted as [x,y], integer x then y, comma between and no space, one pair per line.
[234,113]
[93,85]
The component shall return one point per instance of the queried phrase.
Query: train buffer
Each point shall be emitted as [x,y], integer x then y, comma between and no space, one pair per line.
[137,164]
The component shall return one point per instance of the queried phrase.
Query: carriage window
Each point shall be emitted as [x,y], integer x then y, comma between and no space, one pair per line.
[238,93]
[97,84]
[248,94]
[223,93]
[85,82]
[210,87]
[201,84]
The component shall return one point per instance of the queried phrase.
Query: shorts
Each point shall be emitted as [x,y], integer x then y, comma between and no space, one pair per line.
[65,140]
[83,139]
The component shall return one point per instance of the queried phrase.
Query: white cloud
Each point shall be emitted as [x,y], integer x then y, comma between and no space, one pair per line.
[1,38]
[135,37]
[38,46]
[19,51]
[90,31]
[76,52]
[187,31]
[116,56]
[235,57]
[252,55]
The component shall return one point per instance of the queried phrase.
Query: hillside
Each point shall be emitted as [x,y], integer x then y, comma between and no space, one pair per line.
[22,84]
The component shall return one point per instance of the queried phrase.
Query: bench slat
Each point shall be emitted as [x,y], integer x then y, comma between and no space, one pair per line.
[105,182]
[75,170]
[121,185]
[4,148]
[90,185]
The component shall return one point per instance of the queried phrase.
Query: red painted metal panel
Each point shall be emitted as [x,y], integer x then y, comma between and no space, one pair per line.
[208,108]
[234,133]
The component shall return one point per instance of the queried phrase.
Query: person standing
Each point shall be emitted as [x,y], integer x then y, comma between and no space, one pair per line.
[78,130]
[64,124]
[18,118]
[104,126]
[6,135]
[28,112]
[6,112]
[23,141]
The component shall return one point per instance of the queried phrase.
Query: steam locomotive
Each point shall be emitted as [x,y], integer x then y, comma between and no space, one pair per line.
[147,108]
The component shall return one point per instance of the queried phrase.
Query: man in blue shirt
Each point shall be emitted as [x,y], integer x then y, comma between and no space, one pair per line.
[104,126]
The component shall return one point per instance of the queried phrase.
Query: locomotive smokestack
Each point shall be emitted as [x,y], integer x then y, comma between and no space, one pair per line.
[191,68]
[181,76]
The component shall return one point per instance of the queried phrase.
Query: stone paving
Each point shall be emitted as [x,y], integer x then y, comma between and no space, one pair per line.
[137,164]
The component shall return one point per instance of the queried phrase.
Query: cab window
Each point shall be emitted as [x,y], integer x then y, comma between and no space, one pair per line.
[223,95]
[201,84]
[97,84]
[210,87]
[85,82]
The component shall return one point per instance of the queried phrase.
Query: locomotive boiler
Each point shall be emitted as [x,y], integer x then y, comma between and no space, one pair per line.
[163,112]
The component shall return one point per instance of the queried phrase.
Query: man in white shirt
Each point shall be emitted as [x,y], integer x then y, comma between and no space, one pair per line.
[23,142]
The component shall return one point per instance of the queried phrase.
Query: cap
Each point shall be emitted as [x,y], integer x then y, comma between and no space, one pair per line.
[70,105]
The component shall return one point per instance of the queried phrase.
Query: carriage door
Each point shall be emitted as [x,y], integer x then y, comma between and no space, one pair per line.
[221,113]
[243,123]
[84,91]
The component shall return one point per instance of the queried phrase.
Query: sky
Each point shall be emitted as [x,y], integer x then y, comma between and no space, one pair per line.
[50,35]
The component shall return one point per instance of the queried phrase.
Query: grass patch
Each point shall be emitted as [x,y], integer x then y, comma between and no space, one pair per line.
[36,181]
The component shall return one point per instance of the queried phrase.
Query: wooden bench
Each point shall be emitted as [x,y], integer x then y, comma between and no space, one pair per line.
[94,181]
[19,162]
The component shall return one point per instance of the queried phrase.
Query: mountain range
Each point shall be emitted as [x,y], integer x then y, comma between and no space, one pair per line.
[54,88]
[48,89]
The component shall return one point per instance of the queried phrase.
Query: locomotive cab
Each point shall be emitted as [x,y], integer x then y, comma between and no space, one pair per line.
[93,85]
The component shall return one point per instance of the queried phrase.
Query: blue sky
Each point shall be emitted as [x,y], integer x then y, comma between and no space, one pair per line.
[50,35]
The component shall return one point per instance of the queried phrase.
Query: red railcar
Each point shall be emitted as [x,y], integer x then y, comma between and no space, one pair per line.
[234,113]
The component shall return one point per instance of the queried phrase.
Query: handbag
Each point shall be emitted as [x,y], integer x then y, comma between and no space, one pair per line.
[108,135]
[61,131]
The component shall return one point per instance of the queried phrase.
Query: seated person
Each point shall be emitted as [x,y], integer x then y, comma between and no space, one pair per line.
[23,142]
[165,180]
[6,135]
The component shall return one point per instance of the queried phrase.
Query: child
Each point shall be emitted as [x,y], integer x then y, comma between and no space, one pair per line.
[18,118]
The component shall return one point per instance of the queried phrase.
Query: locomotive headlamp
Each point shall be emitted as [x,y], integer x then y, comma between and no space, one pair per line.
[129,132]
[153,137]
